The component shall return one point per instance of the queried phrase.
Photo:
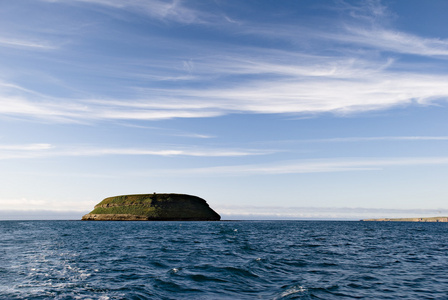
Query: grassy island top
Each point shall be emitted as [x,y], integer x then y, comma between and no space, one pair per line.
[153,207]
[147,199]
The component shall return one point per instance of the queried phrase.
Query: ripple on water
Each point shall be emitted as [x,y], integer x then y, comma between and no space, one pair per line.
[210,260]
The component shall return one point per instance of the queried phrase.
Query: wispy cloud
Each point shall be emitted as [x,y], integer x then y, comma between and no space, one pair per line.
[24,150]
[368,24]
[261,80]
[298,94]
[394,41]
[194,135]
[171,132]
[48,150]
[353,33]
[160,152]
[293,95]
[310,166]
[26,147]
[174,10]
[17,43]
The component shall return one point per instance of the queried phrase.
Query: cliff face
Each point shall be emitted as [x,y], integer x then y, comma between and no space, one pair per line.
[153,207]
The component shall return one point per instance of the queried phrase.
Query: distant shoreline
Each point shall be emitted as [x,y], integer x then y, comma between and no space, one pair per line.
[431,219]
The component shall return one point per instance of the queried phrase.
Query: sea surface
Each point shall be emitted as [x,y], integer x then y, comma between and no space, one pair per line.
[223,260]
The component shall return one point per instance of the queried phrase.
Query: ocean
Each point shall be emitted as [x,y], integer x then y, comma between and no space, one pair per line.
[223,260]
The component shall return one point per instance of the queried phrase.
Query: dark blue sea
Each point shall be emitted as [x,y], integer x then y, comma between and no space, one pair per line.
[223,260]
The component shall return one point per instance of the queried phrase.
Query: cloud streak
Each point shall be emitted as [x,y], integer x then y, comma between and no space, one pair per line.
[27,147]
[311,166]
[366,27]
[395,41]
[291,95]
[162,10]
[47,150]
[162,152]
[251,79]
[16,43]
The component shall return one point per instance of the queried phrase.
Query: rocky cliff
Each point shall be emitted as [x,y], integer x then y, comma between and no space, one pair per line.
[152,207]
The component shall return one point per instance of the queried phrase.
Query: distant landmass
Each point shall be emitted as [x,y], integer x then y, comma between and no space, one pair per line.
[432,219]
[152,207]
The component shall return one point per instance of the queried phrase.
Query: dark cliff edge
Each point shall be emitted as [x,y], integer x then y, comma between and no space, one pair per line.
[152,207]
[432,219]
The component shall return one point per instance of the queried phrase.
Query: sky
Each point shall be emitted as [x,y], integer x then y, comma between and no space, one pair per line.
[267,109]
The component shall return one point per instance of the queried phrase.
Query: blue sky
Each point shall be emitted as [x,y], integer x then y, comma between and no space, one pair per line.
[266,109]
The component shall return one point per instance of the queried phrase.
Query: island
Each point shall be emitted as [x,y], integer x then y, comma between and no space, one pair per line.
[152,207]
[431,219]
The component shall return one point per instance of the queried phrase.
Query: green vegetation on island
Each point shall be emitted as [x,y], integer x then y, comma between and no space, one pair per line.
[432,219]
[152,207]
